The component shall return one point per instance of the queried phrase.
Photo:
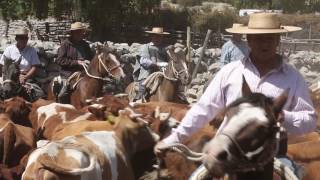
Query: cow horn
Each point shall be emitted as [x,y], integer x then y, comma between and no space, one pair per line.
[132,114]
[89,101]
[157,112]
[121,95]
[143,120]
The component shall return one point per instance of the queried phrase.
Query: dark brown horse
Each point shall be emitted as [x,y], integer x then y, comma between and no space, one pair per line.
[11,85]
[102,68]
[175,74]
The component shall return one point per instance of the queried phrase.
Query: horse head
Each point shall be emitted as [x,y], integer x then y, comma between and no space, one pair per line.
[250,137]
[11,73]
[177,59]
[107,63]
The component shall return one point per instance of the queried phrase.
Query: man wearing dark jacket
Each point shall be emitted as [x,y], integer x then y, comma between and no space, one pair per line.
[74,52]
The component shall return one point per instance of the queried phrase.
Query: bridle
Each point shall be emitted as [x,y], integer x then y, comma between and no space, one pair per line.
[176,73]
[245,162]
[108,70]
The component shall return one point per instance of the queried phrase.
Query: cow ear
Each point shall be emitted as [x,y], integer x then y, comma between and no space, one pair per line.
[280,101]
[246,91]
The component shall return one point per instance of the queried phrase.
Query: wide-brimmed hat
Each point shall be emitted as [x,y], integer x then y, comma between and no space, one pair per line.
[21,32]
[157,30]
[263,23]
[77,26]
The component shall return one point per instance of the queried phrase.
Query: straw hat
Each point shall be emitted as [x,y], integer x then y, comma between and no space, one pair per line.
[157,30]
[21,31]
[77,26]
[263,23]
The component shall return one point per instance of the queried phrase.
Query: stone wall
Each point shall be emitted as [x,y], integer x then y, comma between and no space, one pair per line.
[47,30]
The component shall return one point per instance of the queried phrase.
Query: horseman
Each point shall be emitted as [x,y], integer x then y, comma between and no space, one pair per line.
[150,57]
[266,72]
[28,60]
[73,54]
[235,48]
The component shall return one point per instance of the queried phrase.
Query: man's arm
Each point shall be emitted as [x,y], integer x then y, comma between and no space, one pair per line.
[302,117]
[201,113]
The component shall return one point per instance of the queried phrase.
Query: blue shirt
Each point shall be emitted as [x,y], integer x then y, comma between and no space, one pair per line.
[232,51]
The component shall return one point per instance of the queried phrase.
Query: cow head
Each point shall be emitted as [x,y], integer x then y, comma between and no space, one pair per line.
[18,109]
[134,131]
[249,139]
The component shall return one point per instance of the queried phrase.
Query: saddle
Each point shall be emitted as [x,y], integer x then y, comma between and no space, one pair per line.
[62,87]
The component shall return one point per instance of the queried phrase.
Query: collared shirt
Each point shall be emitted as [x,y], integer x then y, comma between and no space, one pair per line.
[29,56]
[299,113]
[234,50]
[151,54]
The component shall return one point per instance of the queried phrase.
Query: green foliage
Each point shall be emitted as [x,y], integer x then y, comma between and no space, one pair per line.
[189,2]
[15,9]
[215,21]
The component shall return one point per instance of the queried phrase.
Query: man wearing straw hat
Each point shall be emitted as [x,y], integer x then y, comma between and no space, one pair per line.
[72,55]
[74,52]
[27,54]
[29,60]
[149,57]
[266,72]
[234,49]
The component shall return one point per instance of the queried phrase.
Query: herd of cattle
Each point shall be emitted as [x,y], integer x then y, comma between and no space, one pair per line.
[109,138]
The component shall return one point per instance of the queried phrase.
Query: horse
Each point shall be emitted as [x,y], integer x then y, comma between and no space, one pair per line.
[250,137]
[104,67]
[11,85]
[163,86]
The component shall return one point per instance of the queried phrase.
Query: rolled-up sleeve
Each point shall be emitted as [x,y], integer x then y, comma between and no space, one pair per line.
[302,117]
[145,62]
[201,113]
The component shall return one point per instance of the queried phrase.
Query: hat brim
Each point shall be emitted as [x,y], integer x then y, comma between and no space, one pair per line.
[163,33]
[80,28]
[246,30]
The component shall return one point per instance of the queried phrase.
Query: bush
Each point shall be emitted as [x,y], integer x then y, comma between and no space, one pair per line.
[214,21]
[186,3]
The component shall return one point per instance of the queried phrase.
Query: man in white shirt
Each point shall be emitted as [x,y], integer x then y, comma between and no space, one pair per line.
[28,60]
[28,55]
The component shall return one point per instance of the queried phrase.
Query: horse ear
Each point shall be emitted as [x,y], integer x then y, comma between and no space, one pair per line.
[99,49]
[280,101]
[170,52]
[246,91]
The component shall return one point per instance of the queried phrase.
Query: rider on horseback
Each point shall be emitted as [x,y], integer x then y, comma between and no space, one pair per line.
[266,72]
[28,61]
[73,54]
[151,56]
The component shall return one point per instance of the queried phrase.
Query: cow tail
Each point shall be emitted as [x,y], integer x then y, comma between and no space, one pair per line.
[8,142]
[50,164]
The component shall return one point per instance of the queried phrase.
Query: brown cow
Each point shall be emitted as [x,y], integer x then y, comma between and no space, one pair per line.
[18,110]
[47,118]
[92,155]
[16,142]
[112,103]
[176,110]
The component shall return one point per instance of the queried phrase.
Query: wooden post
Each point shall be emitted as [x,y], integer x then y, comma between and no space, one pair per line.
[310,32]
[188,44]
[201,54]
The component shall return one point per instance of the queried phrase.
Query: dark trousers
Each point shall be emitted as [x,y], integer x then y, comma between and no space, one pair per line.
[142,90]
